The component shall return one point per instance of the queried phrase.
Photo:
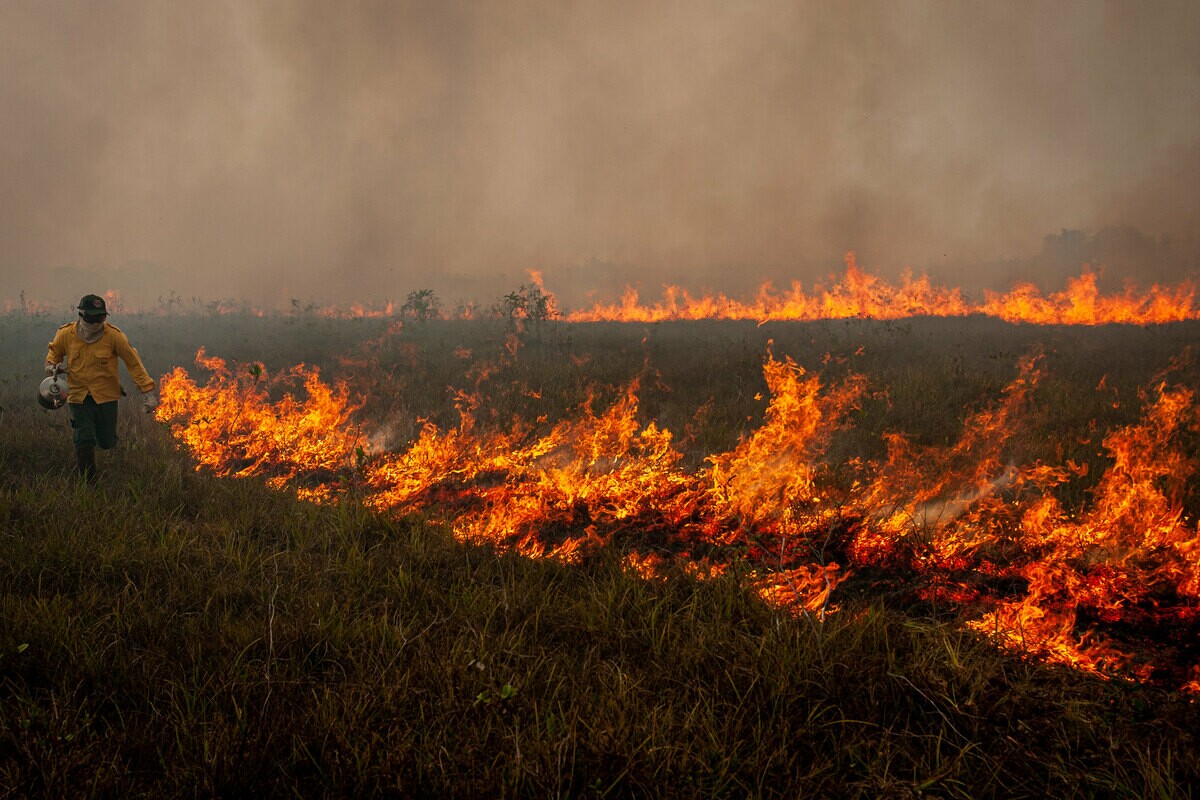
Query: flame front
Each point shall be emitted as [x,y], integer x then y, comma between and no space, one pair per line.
[855,294]
[959,524]
[232,426]
[861,295]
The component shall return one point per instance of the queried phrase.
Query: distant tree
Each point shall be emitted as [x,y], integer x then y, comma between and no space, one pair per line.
[171,304]
[421,305]
[529,302]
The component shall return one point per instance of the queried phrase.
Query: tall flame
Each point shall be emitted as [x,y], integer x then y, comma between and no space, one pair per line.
[232,426]
[967,523]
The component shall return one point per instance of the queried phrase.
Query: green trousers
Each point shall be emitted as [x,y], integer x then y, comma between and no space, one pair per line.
[94,424]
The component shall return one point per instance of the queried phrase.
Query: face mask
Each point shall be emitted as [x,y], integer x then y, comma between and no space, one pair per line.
[89,331]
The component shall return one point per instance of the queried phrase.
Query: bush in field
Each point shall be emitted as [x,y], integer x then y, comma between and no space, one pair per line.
[421,305]
[528,302]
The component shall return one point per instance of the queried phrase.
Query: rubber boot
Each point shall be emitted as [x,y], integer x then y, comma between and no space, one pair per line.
[85,462]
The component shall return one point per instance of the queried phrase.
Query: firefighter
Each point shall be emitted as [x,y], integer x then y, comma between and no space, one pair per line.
[87,350]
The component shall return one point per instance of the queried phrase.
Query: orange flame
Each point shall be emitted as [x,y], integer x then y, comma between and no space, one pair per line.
[968,522]
[231,425]
[860,295]
[855,294]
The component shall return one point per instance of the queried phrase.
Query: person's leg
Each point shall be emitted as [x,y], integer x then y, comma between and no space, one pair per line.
[106,424]
[83,425]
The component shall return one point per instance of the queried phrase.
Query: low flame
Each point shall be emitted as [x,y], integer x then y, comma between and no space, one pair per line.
[856,294]
[958,523]
[861,295]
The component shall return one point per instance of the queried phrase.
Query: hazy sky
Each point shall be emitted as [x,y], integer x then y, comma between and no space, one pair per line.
[360,150]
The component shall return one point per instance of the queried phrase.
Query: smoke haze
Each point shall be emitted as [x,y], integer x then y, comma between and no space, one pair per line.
[358,151]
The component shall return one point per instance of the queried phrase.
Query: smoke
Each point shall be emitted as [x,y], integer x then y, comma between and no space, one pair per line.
[358,151]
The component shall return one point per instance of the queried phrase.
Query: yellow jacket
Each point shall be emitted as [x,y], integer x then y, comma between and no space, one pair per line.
[92,368]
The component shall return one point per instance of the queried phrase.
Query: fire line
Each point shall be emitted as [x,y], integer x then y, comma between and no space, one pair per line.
[957,524]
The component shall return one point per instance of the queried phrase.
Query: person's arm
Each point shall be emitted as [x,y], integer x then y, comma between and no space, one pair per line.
[134,364]
[55,354]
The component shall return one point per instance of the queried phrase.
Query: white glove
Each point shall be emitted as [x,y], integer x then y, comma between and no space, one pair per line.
[149,402]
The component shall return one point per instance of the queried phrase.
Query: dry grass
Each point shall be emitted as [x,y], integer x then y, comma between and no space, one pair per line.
[173,634]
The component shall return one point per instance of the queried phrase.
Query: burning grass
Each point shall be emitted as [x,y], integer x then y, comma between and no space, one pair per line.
[912,508]
[1112,587]
[219,638]
[859,294]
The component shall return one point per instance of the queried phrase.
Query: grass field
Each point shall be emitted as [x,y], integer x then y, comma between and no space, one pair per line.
[174,633]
